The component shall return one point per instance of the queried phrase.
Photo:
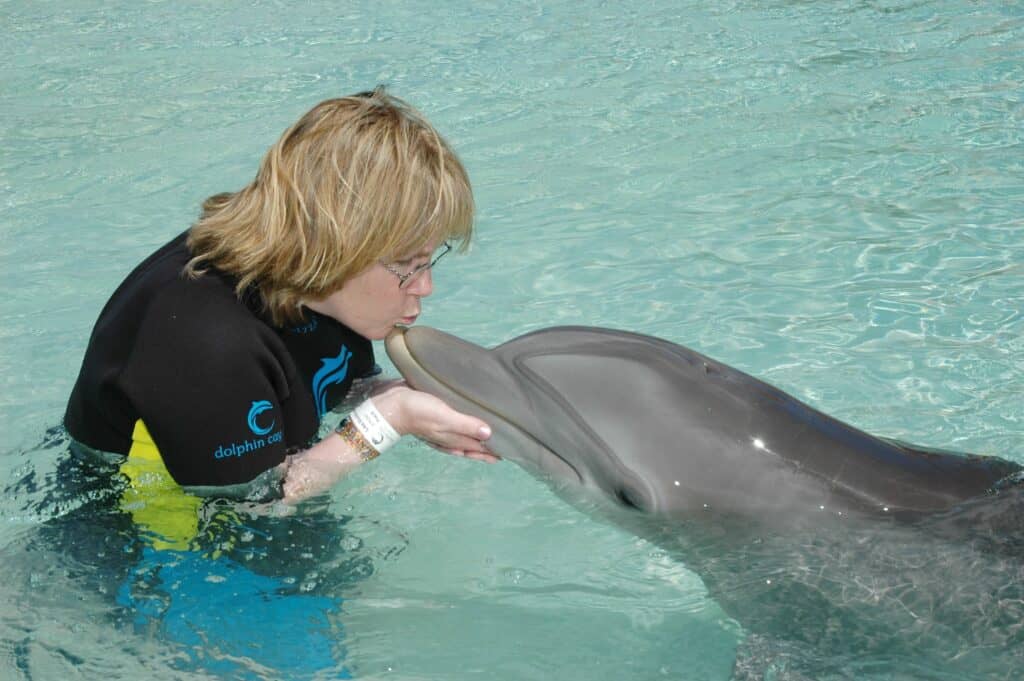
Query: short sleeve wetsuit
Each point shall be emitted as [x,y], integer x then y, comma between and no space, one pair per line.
[221,392]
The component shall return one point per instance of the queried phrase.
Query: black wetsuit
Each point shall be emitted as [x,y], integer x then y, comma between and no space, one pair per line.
[223,393]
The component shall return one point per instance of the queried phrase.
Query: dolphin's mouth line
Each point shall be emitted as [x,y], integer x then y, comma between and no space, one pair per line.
[488,409]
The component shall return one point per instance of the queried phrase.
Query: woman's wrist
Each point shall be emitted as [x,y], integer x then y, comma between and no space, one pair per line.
[390,405]
[368,431]
[356,441]
[364,435]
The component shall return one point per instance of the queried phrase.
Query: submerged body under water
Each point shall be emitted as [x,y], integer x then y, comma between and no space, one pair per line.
[250,591]
[848,597]
[937,596]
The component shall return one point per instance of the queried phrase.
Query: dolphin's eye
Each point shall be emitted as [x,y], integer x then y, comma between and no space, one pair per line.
[629,498]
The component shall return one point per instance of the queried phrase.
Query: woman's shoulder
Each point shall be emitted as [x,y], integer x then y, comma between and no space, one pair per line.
[158,305]
[206,311]
[197,330]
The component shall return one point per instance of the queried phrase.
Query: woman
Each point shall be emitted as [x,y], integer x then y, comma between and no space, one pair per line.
[218,356]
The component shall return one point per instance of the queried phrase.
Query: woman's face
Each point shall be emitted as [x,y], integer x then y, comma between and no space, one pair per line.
[372,303]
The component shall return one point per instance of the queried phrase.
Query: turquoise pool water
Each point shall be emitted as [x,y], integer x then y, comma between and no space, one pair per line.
[828,195]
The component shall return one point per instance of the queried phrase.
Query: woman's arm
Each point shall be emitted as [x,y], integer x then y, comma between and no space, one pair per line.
[410,412]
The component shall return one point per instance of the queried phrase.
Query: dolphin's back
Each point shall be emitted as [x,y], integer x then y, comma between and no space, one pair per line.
[715,437]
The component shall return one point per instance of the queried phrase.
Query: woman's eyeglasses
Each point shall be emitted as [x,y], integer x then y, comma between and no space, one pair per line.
[406,278]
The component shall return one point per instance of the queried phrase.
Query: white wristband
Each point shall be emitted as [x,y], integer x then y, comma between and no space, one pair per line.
[372,425]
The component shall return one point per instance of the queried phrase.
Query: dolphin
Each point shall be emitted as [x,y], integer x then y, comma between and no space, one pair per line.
[840,554]
[666,430]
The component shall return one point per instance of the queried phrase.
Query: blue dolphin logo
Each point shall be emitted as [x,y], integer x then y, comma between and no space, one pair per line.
[333,370]
[257,409]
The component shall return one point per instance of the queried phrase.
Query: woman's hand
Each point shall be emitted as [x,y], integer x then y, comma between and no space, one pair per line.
[412,412]
[409,412]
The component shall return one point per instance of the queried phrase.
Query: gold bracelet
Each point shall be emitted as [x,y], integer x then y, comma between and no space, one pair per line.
[355,439]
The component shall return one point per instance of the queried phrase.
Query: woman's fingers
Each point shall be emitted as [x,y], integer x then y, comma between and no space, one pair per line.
[450,426]
[470,426]
[460,442]
[477,455]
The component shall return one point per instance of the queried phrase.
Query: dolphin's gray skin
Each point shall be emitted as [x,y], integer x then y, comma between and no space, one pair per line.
[842,555]
[667,430]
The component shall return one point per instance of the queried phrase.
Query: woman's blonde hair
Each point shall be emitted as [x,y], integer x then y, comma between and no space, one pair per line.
[355,181]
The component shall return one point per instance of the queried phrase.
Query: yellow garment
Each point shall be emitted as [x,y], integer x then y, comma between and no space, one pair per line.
[156,503]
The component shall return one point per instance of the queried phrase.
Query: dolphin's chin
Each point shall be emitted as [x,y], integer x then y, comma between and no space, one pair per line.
[446,367]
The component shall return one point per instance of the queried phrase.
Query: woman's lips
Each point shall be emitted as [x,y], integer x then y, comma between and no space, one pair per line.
[407,321]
